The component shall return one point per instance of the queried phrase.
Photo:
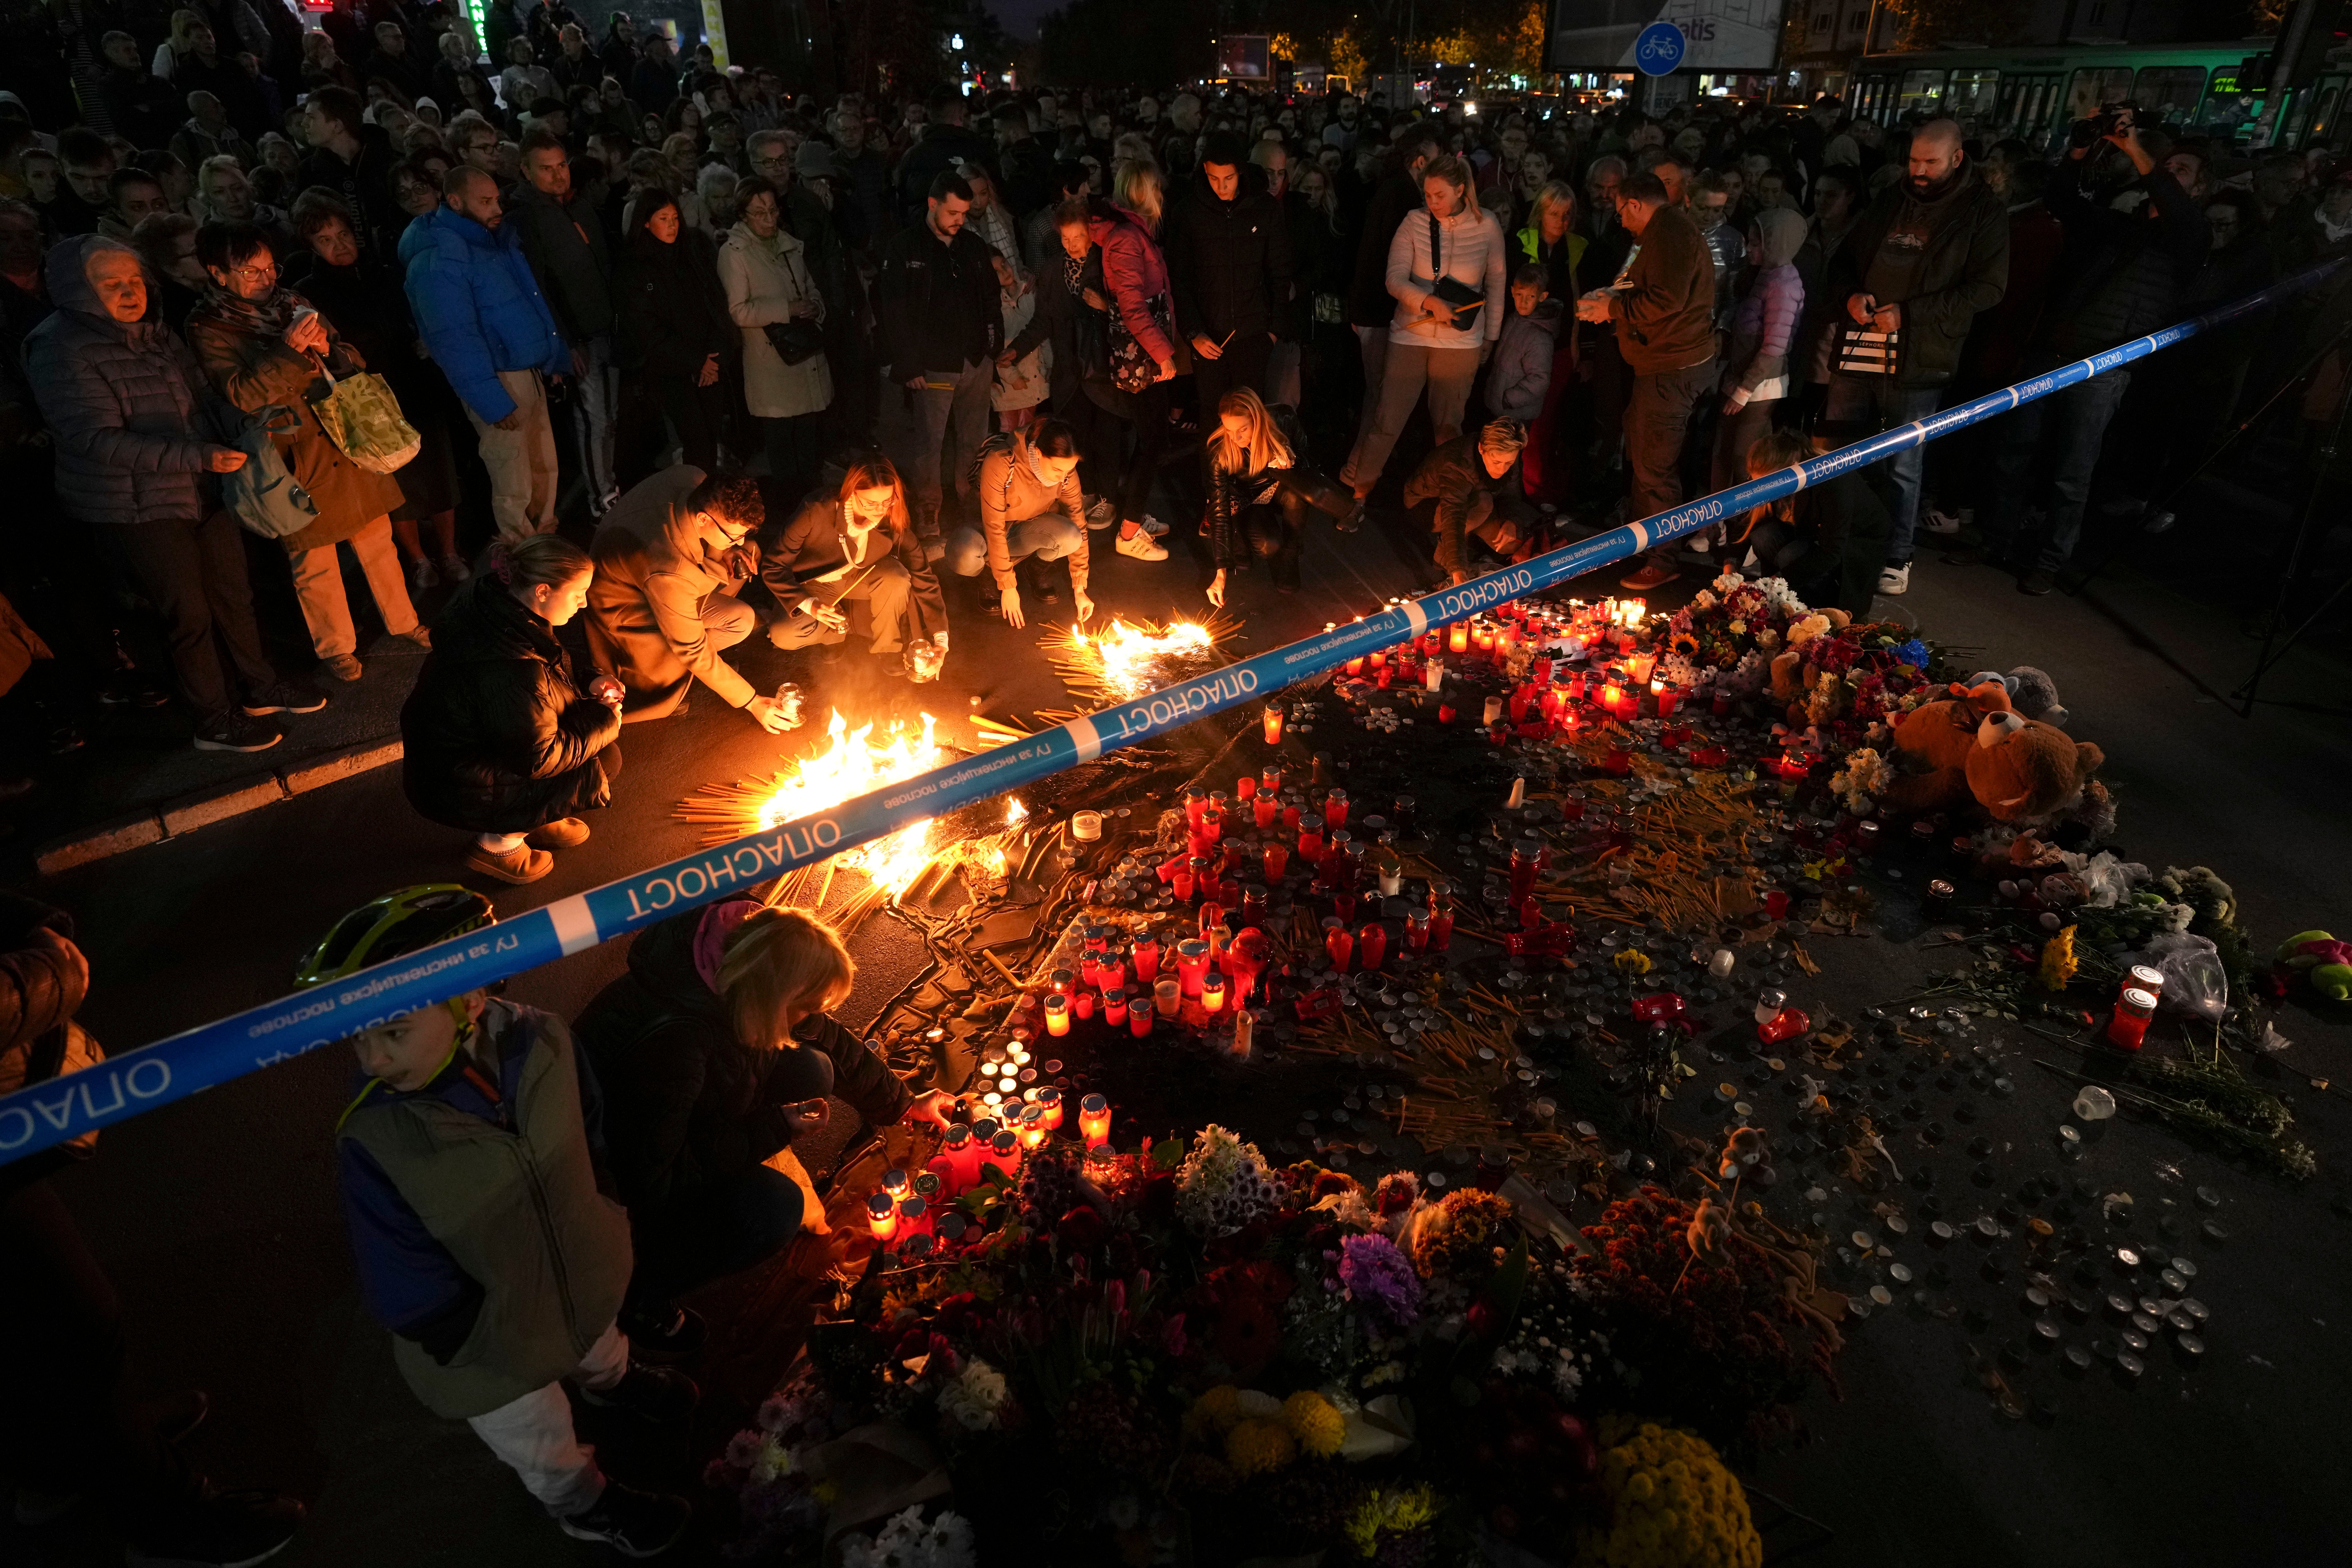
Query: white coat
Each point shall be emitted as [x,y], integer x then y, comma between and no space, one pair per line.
[764,280]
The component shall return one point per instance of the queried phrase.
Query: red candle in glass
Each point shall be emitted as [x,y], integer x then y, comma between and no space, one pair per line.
[1527,861]
[1139,1019]
[1263,808]
[1182,882]
[1335,808]
[1212,824]
[2128,1026]
[1192,964]
[1195,802]
[1343,903]
[1291,817]
[1115,1006]
[1147,958]
[1416,932]
[1253,904]
[1445,713]
[1083,1004]
[1276,858]
[1310,845]
[1441,918]
[1669,699]
[1245,787]
[1273,718]
[1094,1121]
[1337,942]
[1371,946]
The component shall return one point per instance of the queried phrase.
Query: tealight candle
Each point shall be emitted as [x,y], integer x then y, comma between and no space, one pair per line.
[1085,827]
[1213,992]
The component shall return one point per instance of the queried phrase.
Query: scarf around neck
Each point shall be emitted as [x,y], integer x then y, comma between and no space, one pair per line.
[268,317]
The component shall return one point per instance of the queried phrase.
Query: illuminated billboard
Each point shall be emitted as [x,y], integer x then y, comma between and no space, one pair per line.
[1243,57]
[1717,35]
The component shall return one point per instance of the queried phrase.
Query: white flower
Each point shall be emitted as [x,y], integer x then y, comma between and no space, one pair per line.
[1727,581]
[774,1459]
[1808,628]
[975,1396]
[1704,598]
[905,1541]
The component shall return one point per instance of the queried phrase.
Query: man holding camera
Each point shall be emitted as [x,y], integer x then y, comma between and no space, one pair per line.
[2124,278]
[1927,255]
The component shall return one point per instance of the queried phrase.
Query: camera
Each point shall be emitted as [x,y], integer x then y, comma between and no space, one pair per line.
[2111,120]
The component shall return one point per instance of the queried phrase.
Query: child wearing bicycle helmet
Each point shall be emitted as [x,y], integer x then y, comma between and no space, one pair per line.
[467,1166]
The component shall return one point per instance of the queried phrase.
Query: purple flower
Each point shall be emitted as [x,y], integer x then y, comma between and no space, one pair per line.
[1381,1281]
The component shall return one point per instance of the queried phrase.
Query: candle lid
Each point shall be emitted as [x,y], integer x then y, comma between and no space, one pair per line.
[916,1249]
[984,1129]
[912,1209]
[894,1181]
[927,1186]
[2137,998]
[1093,1105]
[957,1138]
[1005,1143]
[879,1206]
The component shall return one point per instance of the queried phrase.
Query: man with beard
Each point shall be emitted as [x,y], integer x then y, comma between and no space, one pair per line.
[1930,253]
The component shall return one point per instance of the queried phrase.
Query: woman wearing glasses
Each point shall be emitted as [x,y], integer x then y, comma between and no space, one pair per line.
[263,346]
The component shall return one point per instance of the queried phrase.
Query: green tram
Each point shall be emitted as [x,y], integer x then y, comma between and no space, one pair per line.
[2208,90]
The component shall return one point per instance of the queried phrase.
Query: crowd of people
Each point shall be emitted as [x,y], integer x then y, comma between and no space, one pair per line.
[685,356]
[598,280]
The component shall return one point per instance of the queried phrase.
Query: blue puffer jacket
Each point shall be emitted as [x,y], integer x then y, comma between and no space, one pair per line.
[126,405]
[478,308]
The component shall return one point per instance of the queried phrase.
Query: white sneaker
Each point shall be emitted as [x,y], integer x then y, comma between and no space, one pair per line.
[1153,525]
[1699,544]
[1896,579]
[1939,521]
[1142,546]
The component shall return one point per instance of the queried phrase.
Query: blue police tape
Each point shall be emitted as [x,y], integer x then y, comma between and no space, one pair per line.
[38,1118]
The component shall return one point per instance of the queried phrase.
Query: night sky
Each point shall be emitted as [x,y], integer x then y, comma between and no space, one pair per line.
[1020,17]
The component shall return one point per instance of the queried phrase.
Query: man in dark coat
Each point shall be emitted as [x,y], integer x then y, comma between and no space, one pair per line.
[1228,252]
[945,143]
[1370,308]
[942,327]
[1925,258]
[563,238]
[354,160]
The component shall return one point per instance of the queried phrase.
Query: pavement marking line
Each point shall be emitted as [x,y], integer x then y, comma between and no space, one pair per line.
[575,924]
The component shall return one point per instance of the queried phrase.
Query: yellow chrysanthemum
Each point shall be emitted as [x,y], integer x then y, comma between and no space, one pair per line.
[1315,1422]
[1253,1447]
[1673,1505]
[1214,1412]
[2058,961]
[1631,961]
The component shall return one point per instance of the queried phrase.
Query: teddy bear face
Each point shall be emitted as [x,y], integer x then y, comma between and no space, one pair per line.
[2020,769]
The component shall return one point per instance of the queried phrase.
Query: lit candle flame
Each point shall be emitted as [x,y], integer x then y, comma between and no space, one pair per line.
[1128,656]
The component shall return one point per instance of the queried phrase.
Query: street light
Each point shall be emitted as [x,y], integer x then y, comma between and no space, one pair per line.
[955,40]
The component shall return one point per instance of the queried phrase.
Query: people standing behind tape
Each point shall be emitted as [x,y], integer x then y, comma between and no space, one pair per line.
[669,559]
[468,1167]
[499,739]
[855,543]
[1126,229]
[2123,276]
[1925,258]
[1756,371]
[1031,511]
[715,1056]
[942,329]
[485,323]
[1550,242]
[269,351]
[1663,308]
[563,237]
[1263,489]
[1371,309]
[137,452]
[1447,271]
[354,160]
[763,270]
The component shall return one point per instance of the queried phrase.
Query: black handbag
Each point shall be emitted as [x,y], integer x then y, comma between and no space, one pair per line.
[1468,301]
[795,342]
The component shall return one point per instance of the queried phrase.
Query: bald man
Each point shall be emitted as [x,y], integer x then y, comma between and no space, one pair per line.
[1927,255]
[480,311]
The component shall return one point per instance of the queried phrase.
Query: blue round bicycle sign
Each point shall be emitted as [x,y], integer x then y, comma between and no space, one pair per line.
[1659,49]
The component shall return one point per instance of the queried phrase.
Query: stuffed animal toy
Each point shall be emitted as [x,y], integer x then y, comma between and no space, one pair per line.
[1792,673]
[1977,747]
[2324,963]
[2032,692]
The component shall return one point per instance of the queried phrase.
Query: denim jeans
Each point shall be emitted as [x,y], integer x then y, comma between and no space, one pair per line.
[1876,402]
[956,408]
[2068,428]
[1051,536]
[599,404]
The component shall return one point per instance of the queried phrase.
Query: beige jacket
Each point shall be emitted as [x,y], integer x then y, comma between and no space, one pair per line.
[764,280]
[645,609]
[1011,492]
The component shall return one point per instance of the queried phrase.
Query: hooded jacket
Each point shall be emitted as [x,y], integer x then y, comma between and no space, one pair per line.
[1229,261]
[495,738]
[482,1242]
[673,310]
[1962,268]
[690,1107]
[1765,319]
[126,405]
[1518,377]
[477,308]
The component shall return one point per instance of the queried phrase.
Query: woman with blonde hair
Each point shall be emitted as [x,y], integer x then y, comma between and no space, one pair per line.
[1261,485]
[714,1053]
[853,543]
[1127,230]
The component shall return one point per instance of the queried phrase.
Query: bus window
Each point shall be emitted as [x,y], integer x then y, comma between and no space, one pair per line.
[1972,96]
[1921,90]
[2025,105]
[2327,103]
[2092,88]
[2169,94]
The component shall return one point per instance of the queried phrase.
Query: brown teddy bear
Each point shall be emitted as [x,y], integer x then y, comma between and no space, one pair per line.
[1977,747]
[1792,673]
